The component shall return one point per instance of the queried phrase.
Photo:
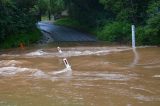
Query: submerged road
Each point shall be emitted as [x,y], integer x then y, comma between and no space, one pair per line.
[63,34]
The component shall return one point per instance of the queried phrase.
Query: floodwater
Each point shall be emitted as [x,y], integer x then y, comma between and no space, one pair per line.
[100,76]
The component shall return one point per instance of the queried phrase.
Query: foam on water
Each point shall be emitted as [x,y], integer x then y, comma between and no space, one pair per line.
[146,98]
[60,72]
[156,76]
[106,76]
[36,73]
[9,62]
[77,52]
[91,52]
[37,53]
[12,70]
[65,73]
[40,74]
[9,71]
[74,52]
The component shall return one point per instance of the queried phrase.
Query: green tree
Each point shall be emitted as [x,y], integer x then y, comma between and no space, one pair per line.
[86,11]
[50,6]
[16,16]
[152,29]
[132,11]
[42,8]
[57,6]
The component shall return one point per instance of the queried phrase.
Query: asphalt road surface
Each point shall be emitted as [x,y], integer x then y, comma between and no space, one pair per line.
[55,33]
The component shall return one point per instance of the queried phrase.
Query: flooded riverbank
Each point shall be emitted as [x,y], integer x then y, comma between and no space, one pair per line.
[101,76]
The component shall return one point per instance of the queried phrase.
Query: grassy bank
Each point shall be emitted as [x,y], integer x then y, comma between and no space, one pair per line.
[69,22]
[72,23]
[27,39]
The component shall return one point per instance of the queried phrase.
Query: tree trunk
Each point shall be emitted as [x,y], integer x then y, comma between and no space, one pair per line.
[49,15]
[40,16]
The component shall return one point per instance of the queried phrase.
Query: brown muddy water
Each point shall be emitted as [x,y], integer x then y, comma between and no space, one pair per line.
[100,76]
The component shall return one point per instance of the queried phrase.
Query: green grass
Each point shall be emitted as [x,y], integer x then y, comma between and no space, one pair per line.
[45,18]
[70,22]
[27,39]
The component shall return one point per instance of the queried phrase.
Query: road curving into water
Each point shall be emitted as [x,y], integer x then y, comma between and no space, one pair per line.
[55,33]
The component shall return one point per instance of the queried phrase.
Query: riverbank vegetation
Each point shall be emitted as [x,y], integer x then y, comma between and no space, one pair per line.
[25,38]
[111,20]
[18,23]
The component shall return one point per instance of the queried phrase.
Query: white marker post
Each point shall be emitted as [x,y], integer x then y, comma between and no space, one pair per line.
[133,37]
[59,50]
[64,60]
[67,64]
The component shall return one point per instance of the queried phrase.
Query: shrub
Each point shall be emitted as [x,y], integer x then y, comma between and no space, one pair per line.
[149,34]
[115,32]
[141,37]
[25,38]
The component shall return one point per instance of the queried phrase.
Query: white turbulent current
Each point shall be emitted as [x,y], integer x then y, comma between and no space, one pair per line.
[6,71]
[72,52]
[100,76]
[35,73]
[11,71]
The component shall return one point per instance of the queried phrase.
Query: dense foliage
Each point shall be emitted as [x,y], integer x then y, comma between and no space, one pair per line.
[116,31]
[112,18]
[17,17]
[50,7]
[87,11]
